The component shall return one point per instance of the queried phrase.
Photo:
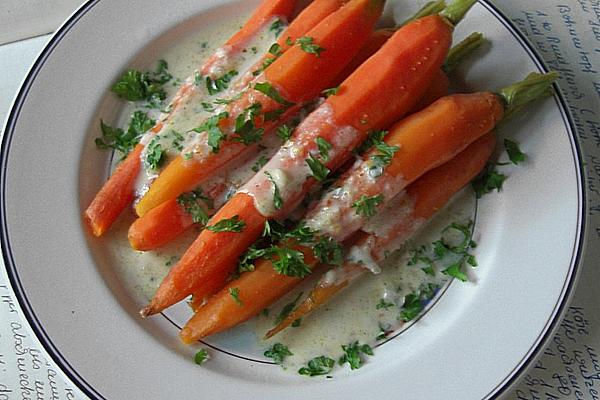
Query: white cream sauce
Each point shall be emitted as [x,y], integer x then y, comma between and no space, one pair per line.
[349,317]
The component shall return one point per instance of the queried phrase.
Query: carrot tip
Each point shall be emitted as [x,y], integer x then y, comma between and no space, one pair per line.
[147,311]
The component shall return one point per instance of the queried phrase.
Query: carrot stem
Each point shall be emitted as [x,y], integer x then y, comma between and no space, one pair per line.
[456,11]
[430,8]
[535,86]
[462,50]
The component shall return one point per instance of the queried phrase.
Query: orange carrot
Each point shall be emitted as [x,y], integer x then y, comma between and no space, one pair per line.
[118,192]
[263,286]
[382,90]
[428,194]
[223,311]
[298,75]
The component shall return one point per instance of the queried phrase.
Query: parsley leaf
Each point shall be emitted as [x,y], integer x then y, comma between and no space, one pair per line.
[235,294]
[277,200]
[487,181]
[124,141]
[324,148]
[307,45]
[191,202]
[384,156]
[277,27]
[135,85]
[245,127]
[215,86]
[267,89]
[215,134]
[352,354]
[366,205]
[321,365]
[373,138]
[278,352]
[328,251]
[233,224]
[290,262]
[285,132]
[253,253]
[318,169]
[201,357]
[161,75]
[514,152]
[155,155]
[415,302]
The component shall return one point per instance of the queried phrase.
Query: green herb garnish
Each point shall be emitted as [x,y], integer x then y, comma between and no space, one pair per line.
[514,152]
[290,262]
[318,169]
[285,132]
[331,91]
[324,148]
[321,365]
[155,155]
[262,160]
[307,44]
[278,352]
[215,134]
[328,251]
[245,127]
[277,27]
[201,357]
[367,205]
[215,86]
[235,294]
[489,180]
[277,200]
[125,141]
[192,204]
[135,85]
[287,309]
[384,304]
[268,90]
[373,138]
[233,224]
[352,354]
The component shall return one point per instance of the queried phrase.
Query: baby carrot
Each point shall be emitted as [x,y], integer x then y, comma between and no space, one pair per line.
[118,192]
[298,75]
[380,91]
[263,286]
[427,195]
[167,221]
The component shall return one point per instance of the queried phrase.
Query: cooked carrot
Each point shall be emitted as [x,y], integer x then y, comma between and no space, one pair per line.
[382,90]
[223,311]
[464,113]
[427,194]
[164,223]
[118,192]
[298,75]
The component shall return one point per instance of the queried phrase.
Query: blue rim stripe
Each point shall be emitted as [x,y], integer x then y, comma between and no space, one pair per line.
[88,390]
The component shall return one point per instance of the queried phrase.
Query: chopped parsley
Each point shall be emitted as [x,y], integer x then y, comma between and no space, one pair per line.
[352,354]
[233,224]
[155,155]
[373,138]
[197,78]
[384,154]
[415,302]
[384,304]
[135,85]
[515,154]
[331,91]
[277,200]
[290,262]
[278,352]
[214,86]
[192,204]
[307,45]
[245,127]
[287,309]
[488,181]
[277,27]
[235,294]
[321,365]
[124,141]
[318,169]
[215,133]
[367,205]
[201,357]
[324,148]
[285,132]
[296,323]
[328,251]
[262,160]
[267,89]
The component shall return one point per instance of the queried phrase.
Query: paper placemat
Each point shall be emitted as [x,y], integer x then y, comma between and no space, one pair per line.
[567,35]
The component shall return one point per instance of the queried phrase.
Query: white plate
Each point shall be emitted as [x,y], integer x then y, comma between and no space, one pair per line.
[474,343]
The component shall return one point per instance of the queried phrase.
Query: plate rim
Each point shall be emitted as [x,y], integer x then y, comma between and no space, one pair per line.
[545,334]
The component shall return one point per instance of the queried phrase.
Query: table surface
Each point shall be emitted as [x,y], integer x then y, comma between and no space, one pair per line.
[548,377]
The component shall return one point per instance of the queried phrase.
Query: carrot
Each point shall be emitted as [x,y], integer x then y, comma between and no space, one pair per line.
[298,75]
[118,192]
[383,89]
[255,293]
[262,287]
[164,223]
[428,195]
